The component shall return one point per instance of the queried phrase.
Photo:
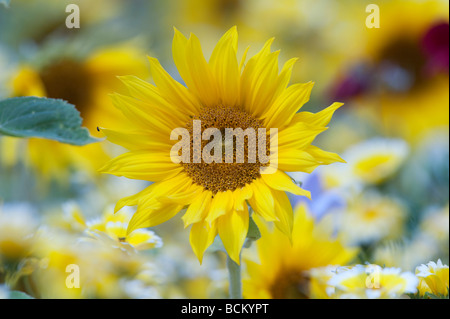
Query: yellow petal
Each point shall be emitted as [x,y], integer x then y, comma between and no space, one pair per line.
[220,205]
[283,211]
[152,217]
[155,102]
[321,118]
[201,237]
[298,136]
[173,91]
[282,182]
[136,140]
[179,45]
[284,77]
[142,165]
[203,82]
[262,201]
[323,157]
[169,190]
[185,196]
[134,199]
[241,195]
[244,57]
[152,196]
[135,111]
[287,104]
[296,161]
[258,83]
[233,229]
[224,64]
[251,74]
[198,209]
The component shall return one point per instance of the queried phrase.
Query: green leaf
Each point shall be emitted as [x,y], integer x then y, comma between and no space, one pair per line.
[253,230]
[42,117]
[253,233]
[5,2]
[433,296]
[19,295]
[428,295]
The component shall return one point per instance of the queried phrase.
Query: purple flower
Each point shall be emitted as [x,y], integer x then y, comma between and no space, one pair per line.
[323,201]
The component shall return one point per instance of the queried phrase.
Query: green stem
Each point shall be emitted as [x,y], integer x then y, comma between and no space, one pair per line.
[234,275]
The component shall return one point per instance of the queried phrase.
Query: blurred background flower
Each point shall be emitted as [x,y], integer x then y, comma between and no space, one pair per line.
[281,270]
[433,279]
[388,205]
[372,282]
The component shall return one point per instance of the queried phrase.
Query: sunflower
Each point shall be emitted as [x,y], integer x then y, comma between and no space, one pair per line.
[222,93]
[83,82]
[402,75]
[287,271]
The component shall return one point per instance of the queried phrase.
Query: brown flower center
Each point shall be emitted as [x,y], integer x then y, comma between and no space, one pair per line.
[221,177]
[68,80]
[290,285]
[228,7]
[402,65]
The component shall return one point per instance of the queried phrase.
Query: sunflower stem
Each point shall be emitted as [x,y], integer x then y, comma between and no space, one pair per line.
[234,275]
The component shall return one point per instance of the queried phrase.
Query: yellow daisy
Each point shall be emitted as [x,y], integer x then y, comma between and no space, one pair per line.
[375,160]
[221,93]
[433,278]
[371,217]
[101,272]
[111,228]
[17,229]
[84,83]
[406,254]
[435,223]
[319,278]
[285,270]
[372,282]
